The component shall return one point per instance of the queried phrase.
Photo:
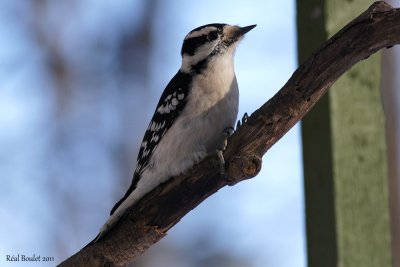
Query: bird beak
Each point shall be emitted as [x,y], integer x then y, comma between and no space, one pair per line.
[235,33]
[243,30]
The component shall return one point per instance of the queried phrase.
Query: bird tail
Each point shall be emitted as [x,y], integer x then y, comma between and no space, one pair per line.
[130,190]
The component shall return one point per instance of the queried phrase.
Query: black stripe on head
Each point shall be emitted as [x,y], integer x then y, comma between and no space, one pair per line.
[219,26]
[200,66]
[190,44]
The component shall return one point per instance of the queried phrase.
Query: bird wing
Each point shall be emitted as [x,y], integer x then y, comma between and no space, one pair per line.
[170,106]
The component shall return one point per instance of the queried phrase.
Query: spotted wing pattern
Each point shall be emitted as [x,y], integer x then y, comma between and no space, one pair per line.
[170,106]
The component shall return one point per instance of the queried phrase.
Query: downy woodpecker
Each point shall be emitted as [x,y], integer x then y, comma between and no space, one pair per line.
[193,114]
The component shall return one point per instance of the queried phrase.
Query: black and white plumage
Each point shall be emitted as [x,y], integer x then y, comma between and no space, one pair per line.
[197,106]
[170,105]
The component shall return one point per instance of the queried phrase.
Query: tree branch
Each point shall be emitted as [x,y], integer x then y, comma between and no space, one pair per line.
[150,219]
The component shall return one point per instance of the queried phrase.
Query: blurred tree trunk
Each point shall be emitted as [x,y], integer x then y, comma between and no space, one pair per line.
[133,55]
[345,164]
[391,104]
[77,87]
[58,73]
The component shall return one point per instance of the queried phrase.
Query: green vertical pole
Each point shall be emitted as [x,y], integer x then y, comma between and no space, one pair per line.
[345,167]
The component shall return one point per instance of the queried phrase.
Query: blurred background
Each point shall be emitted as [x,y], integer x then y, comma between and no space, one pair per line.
[79,83]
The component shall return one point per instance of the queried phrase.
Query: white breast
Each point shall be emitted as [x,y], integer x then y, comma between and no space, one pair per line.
[211,108]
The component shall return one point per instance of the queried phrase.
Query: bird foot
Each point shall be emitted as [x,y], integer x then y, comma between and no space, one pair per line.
[220,151]
[242,121]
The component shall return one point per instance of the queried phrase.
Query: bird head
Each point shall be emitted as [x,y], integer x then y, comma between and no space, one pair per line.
[206,42]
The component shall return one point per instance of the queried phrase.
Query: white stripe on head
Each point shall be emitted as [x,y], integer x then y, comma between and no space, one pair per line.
[203,31]
[201,53]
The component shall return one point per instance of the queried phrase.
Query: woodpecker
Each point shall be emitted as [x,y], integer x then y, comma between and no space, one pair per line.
[194,114]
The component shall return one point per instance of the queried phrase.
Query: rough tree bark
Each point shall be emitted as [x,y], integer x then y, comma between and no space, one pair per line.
[150,219]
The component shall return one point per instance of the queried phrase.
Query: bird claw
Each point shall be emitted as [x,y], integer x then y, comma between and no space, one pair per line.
[229,131]
[221,159]
[242,121]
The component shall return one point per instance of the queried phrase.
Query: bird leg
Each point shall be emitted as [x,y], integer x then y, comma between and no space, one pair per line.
[220,150]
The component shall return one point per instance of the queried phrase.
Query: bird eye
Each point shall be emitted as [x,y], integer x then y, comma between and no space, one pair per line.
[212,36]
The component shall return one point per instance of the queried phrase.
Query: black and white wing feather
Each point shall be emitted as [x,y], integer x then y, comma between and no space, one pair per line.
[170,106]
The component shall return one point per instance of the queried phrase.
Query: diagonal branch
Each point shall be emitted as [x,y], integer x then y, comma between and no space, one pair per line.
[150,219]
